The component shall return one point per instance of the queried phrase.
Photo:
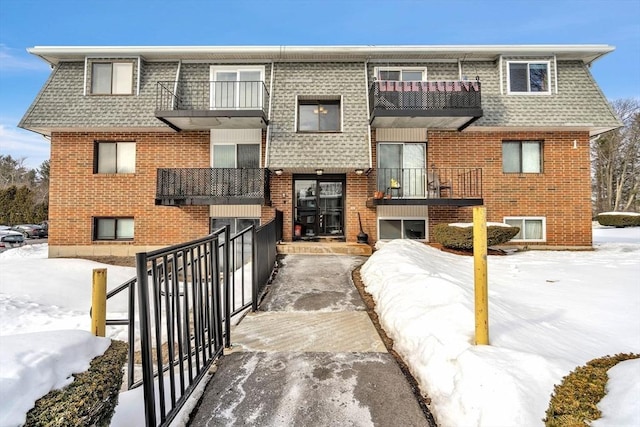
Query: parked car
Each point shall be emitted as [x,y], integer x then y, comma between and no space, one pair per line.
[10,239]
[30,231]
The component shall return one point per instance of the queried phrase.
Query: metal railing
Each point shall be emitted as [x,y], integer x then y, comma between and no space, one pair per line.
[204,185]
[181,303]
[395,95]
[211,95]
[430,183]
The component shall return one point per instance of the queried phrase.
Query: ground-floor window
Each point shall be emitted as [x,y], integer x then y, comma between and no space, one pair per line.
[401,228]
[235,224]
[532,229]
[113,228]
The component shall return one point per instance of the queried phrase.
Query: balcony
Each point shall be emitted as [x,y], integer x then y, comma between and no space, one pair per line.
[203,105]
[212,186]
[436,105]
[433,186]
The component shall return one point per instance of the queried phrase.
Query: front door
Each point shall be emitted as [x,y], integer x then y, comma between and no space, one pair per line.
[319,207]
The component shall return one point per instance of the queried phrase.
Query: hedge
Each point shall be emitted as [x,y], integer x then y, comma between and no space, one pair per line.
[574,402]
[462,237]
[619,220]
[90,400]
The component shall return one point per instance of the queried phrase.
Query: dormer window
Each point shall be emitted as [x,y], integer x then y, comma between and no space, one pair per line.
[529,77]
[112,78]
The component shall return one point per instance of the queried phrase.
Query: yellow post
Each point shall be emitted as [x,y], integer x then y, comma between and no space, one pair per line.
[480,274]
[99,302]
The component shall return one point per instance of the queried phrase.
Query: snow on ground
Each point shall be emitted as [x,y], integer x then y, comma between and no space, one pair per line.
[549,312]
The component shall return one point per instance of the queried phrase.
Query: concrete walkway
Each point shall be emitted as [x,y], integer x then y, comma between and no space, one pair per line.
[311,358]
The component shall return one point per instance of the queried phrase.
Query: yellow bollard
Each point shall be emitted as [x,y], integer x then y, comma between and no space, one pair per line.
[99,302]
[480,274]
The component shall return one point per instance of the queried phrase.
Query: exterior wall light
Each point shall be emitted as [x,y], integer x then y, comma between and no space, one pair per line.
[359,171]
[278,172]
[319,171]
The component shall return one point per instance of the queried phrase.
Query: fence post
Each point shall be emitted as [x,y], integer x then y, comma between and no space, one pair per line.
[227,286]
[145,339]
[254,268]
[99,302]
[480,274]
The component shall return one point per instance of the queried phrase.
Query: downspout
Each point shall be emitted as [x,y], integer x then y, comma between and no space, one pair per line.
[139,74]
[555,71]
[84,92]
[501,76]
[366,94]
[267,143]
[175,85]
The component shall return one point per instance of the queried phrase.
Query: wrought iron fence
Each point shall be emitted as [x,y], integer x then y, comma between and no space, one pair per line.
[393,95]
[211,95]
[181,303]
[205,185]
[430,183]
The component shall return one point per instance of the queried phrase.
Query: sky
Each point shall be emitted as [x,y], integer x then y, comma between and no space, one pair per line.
[28,23]
[549,312]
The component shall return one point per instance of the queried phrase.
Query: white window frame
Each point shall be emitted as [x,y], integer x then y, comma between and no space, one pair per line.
[522,231]
[113,76]
[116,143]
[377,71]
[237,69]
[319,99]
[97,219]
[235,145]
[403,219]
[528,91]
[540,150]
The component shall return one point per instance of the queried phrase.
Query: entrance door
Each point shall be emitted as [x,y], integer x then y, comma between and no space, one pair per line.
[319,208]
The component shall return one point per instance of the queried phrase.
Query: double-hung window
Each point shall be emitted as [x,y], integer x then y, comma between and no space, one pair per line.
[529,77]
[112,78]
[532,229]
[319,116]
[115,157]
[522,156]
[113,228]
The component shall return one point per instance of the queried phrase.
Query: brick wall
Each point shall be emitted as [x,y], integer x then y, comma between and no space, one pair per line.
[77,194]
[561,193]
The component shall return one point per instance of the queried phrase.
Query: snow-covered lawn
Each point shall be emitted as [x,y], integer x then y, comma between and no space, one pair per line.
[549,312]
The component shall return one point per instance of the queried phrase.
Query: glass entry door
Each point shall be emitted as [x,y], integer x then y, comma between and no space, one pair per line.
[319,207]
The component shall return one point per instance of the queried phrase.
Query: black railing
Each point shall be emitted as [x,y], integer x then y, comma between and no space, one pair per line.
[211,185]
[186,297]
[394,95]
[430,183]
[211,95]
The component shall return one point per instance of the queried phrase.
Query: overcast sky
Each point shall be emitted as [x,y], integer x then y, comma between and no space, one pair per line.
[28,23]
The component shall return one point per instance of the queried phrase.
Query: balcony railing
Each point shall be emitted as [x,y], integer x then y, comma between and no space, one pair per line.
[211,186]
[447,105]
[211,95]
[455,186]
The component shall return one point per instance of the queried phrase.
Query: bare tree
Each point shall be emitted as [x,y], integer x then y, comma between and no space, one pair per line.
[616,162]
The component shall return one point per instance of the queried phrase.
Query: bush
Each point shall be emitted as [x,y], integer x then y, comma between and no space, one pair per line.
[574,402]
[89,400]
[462,237]
[619,219]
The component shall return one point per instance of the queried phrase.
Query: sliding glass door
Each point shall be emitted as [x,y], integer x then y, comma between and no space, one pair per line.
[402,169]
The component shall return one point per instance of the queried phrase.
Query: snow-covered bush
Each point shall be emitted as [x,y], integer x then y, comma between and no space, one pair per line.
[91,398]
[619,219]
[457,237]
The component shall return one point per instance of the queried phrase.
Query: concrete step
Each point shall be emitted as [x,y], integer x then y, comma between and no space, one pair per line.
[324,248]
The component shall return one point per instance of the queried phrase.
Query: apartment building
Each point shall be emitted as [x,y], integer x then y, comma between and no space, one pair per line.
[152,146]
